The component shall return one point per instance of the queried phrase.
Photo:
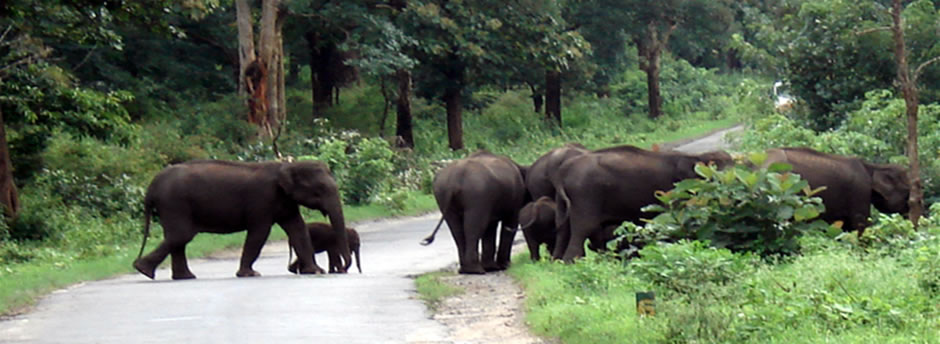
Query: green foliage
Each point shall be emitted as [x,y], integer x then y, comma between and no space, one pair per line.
[762,211]
[362,166]
[688,266]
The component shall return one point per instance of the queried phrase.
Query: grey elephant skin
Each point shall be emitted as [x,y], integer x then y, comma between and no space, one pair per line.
[599,190]
[852,184]
[322,238]
[475,195]
[540,174]
[537,222]
[213,196]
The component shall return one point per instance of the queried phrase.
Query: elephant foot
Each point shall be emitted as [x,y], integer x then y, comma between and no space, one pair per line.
[477,270]
[145,269]
[183,276]
[315,270]
[292,268]
[247,273]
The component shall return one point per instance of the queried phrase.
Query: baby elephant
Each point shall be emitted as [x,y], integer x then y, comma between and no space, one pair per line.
[322,239]
[537,221]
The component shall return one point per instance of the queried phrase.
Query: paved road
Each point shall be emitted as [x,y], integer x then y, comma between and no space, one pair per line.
[378,306]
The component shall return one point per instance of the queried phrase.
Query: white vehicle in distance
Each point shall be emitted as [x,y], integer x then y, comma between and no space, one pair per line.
[783,101]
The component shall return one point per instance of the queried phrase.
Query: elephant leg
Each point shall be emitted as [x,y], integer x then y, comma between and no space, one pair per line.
[473,227]
[335,261]
[488,258]
[561,239]
[177,233]
[254,241]
[455,224]
[299,239]
[532,243]
[179,265]
[506,237]
[581,228]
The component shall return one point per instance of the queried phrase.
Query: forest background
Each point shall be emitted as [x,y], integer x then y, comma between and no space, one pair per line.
[97,96]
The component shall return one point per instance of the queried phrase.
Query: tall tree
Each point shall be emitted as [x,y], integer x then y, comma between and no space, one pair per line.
[262,72]
[654,24]
[42,94]
[907,80]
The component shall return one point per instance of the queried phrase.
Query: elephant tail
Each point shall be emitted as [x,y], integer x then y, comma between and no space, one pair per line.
[358,260]
[148,213]
[430,238]
[563,205]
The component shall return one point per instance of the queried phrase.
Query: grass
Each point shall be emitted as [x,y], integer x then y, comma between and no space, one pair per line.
[22,285]
[834,293]
[432,290]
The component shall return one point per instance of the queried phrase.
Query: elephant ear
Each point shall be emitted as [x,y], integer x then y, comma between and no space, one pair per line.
[685,168]
[890,187]
[286,177]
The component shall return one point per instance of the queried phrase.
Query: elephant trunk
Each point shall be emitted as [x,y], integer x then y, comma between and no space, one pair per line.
[338,222]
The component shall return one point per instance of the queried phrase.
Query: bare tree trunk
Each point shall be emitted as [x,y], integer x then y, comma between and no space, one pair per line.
[8,194]
[271,55]
[537,98]
[650,49]
[553,96]
[909,91]
[404,126]
[454,117]
[246,44]
[652,83]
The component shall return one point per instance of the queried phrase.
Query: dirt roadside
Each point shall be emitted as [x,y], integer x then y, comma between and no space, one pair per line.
[489,310]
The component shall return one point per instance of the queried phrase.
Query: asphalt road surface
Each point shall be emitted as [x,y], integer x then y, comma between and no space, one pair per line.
[377,306]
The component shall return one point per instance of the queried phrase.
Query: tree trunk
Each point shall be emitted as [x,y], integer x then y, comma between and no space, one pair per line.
[909,91]
[650,50]
[322,75]
[8,195]
[537,98]
[272,57]
[454,117]
[404,126]
[652,85]
[553,96]
[246,44]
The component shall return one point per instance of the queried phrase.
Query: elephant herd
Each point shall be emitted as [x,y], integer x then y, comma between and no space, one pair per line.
[571,194]
[567,196]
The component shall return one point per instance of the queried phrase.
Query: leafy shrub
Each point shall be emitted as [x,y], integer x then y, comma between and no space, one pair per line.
[761,211]
[363,167]
[688,266]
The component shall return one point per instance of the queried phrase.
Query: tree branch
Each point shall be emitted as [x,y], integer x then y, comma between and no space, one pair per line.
[874,29]
[921,67]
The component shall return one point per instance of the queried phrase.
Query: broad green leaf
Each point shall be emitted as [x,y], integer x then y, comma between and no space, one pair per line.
[784,213]
[805,213]
[704,170]
[779,167]
[757,158]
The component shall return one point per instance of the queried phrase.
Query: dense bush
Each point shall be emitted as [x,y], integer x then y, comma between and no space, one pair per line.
[762,211]
[689,266]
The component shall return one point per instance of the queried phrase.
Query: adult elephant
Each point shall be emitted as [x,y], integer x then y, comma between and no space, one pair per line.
[597,191]
[225,197]
[475,194]
[852,184]
[539,175]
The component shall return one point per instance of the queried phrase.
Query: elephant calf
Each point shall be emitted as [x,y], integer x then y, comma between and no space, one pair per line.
[537,221]
[323,239]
